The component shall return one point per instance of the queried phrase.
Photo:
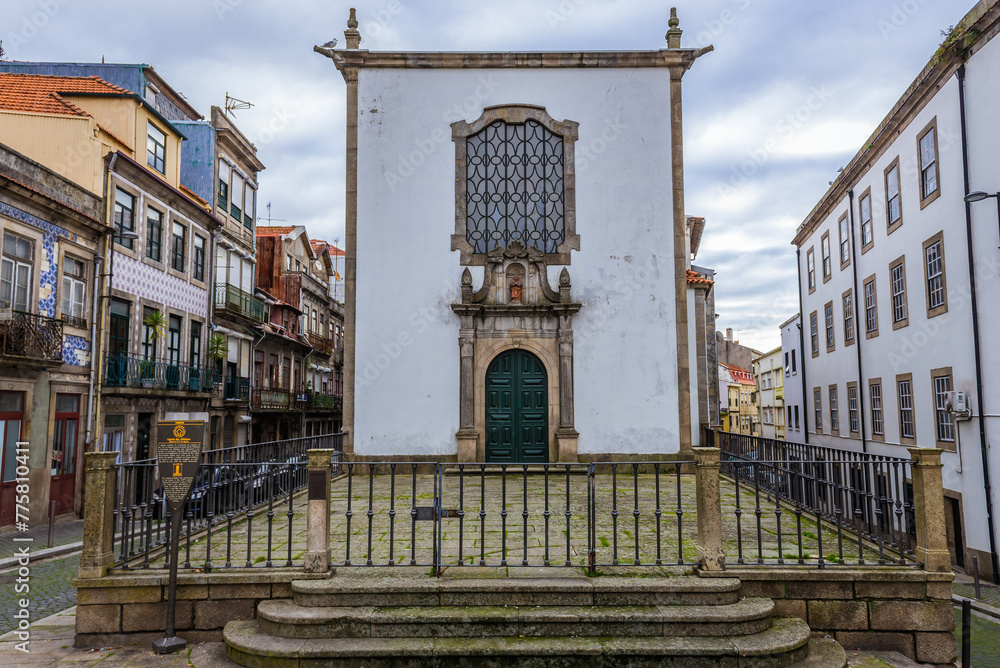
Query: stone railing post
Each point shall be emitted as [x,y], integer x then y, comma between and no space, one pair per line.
[709,505]
[317,557]
[98,514]
[928,510]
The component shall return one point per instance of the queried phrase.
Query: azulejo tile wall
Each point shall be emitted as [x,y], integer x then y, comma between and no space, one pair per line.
[157,285]
[76,351]
[49,270]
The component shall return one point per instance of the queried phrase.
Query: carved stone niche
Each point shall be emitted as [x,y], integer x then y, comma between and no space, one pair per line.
[516,307]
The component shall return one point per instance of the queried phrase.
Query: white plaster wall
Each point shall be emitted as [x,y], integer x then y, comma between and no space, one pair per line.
[926,343]
[793,381]
[693,369]
[407,336]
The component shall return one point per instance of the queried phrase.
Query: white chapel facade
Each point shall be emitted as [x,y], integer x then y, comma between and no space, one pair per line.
[516,256]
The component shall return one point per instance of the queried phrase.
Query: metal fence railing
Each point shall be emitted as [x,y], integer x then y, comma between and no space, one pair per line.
[802,503]
[241,510]
[576,515]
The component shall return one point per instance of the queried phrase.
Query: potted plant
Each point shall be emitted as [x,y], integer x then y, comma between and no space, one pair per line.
[156,328]
[218,350]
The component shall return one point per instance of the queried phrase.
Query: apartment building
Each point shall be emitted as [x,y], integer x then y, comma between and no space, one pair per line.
[791,358]
[893,262]
[769,375]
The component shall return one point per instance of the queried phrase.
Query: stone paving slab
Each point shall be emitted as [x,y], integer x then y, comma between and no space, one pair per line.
[66,532]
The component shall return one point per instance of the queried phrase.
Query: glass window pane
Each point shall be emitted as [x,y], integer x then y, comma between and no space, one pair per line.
[11,431]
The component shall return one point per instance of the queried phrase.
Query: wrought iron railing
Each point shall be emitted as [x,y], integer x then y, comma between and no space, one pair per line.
[237,389]
[30,335]
[231,298]
[74,321]
[135,371]
[271,398]
[320,344]
[240,512]
[817,505]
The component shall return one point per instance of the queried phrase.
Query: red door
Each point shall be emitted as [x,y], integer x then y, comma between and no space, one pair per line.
[65,452]
[11,415]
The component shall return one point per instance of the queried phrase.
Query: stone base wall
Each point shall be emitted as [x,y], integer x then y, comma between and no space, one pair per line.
[901,610]
[126,608]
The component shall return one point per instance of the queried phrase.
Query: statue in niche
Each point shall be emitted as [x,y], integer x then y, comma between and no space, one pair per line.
[515,290]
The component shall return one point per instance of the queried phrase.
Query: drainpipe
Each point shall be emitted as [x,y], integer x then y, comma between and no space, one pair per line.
[802,348]
[97,359]
[984,445]
[98,261]
[857,330]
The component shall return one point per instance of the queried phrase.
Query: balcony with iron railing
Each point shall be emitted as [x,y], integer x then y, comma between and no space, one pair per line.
[236,389]
[30,336]
[320,343]
[271,398]
[133,371]
[231,299]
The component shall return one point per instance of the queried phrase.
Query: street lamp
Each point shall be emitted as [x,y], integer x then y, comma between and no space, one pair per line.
[979,196]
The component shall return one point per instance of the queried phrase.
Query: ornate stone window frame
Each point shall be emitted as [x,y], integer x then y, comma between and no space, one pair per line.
[516,114]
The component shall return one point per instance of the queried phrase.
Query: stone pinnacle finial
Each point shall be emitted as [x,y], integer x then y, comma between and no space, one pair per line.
[674,33]
[352,35]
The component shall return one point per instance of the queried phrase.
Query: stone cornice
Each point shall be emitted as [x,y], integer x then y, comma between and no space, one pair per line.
[354,59]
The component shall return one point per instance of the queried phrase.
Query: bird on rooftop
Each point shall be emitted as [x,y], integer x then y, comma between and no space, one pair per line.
[332,43]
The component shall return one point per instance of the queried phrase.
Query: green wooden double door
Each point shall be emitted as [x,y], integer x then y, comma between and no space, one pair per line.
[517,406]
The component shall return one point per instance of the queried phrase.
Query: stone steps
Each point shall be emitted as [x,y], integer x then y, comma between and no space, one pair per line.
[522,617]
[784,644]
[514,591]
[285,619]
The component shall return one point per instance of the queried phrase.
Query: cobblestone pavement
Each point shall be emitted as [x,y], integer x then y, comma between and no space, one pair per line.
[985,640]
[50,590]
[65,533]
[516,520]
[990,593]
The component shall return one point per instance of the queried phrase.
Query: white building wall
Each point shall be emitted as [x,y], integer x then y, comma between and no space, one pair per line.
[407,358]
[792,380]
[925,343]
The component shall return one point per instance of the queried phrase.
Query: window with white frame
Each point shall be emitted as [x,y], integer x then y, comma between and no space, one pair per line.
[893,210]
[828,318]
[124,217]
[848,317]
[875,390]
[845,241]
[178,247]
[824,245]
[818,405]
[905,388]
[898,284]
[935,275]
[224,176]
[852,408]
[871,307]
[865,206]
[811,268]
[944,419]
[834,410]
[74,291]
[198,270]
[928,164]
[814,333]
[16,269]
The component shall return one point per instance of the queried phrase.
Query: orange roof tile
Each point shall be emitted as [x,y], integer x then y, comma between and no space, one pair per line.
[321,246]
[694,278]
[42,94]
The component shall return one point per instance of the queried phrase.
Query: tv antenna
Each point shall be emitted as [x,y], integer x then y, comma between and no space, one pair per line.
[269,219]
[234,103]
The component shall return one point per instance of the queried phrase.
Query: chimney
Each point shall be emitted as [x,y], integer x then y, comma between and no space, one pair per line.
[729,334]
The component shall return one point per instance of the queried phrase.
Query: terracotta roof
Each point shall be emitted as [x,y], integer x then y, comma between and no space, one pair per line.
[694,278]
[740,374]
[274,231]
[320,246]
[192,194]
[42,94]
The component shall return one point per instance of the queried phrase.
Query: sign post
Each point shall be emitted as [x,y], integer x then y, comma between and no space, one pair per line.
[178,449]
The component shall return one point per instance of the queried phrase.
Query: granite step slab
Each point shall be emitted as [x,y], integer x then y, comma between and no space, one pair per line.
[283,618]
[784,644]
[377,591]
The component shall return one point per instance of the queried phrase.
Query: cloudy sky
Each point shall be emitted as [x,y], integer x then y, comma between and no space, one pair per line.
[793,89]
